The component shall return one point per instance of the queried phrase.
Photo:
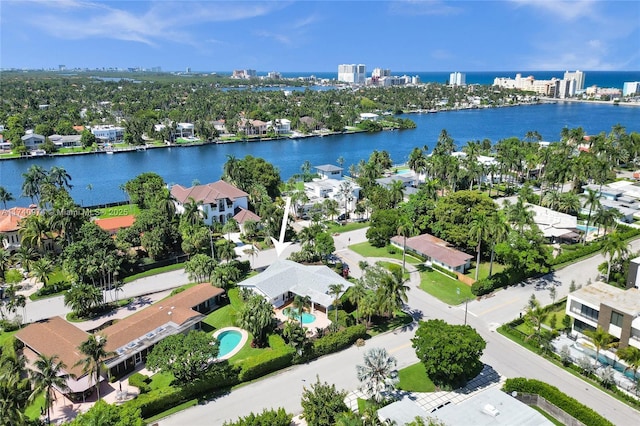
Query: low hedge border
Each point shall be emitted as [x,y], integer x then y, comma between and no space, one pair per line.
[552,394]
[339,340]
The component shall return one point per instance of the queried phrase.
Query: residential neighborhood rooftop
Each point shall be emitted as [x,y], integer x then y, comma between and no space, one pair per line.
[208,193]
[435,248]
[627,301]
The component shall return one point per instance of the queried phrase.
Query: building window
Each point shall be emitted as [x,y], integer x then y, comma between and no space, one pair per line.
[589,312]
[616,318]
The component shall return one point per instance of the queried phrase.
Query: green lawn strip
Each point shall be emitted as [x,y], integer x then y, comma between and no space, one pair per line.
[391,266]
[401,319]
[155,271]
[117,211]
[6,341]
[334,228]
[161,380]
[484,270]
[547,415]
[33,410]
[177,408]
[444,288]
[367,250]
[414,379]
[105,309]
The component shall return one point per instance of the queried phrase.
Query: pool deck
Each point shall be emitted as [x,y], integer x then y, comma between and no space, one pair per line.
[243,340]
[322,321]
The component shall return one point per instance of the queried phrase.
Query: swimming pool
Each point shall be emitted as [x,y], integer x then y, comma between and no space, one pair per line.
[230,341]
[307,318]
[583,228]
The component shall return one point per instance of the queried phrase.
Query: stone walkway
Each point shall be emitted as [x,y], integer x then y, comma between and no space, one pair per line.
[431,401]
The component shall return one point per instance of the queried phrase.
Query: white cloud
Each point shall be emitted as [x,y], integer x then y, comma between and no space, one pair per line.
[278,37]
[566,10]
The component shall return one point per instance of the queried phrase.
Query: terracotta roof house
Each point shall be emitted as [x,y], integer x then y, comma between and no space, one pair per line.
[284,279]
[10,225]
[242,216]
[113,224]
[311,123]
[436,251]
[218,201]
[130,339]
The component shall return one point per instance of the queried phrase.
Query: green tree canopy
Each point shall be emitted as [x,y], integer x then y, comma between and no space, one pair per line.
[144,189]
[187,357]
[450,353]
[322,403]
[250,171]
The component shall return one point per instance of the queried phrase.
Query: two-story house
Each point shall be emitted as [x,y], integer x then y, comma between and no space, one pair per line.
[219,201]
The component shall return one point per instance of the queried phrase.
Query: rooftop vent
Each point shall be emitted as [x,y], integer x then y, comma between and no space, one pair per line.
[490,410]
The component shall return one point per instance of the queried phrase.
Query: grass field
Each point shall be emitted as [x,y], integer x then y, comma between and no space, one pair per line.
[484,270]
[333,227]
[444,288]
[367,250]
[414,379]
[151,272]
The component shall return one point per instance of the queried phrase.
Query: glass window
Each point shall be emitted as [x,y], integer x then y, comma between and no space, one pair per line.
[616,318]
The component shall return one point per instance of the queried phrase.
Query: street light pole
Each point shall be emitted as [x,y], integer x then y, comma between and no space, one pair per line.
[466,302]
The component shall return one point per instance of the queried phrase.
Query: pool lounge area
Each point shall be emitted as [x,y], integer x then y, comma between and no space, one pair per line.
[311,318]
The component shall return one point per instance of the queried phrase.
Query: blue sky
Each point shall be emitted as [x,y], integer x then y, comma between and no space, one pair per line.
[307,36]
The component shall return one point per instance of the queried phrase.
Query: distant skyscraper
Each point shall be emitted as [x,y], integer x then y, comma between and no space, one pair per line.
[188,70]
[578,76]
[457,79]
[631,87]
[62,67]
[380,72]
[352,73]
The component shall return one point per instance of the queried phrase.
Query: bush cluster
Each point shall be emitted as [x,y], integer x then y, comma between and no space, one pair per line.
[552,394]
[339,340]
[501,279]
[277,417]
[140,381]
[265,363]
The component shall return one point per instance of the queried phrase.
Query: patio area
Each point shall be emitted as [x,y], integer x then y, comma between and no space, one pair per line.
[320,318]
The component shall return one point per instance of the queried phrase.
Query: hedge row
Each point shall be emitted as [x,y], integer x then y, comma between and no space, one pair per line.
[626,232]
[339,340]
[265,363]
[267,417]
[552,394]
[501,279]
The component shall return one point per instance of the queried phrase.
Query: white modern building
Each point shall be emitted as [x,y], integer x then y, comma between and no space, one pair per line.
[280,126]
[331,185]
[614,309]
[457,79]
[108,133]
[577,76]
[380,72]
[352,73]
[631,88]
[181,130]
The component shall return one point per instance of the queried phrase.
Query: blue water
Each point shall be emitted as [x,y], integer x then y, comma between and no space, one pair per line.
[104,174]
[307,318]
[606,361]
[583,228]
[228,341]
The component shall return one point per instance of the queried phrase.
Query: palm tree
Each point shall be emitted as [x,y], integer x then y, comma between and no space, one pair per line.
[396,193]
[82,297]
[378,374]
[59,177]
[551,199]
[593,201]
[356,295]
[499,231]
[390,288]
[607,218]
[536,314]
[600,339]
[631,355]
[336,290]
[256,316]
[33,179]
[5,196]
[192,213]
[94,349]
[41,269]
[48,374]
[5,262]
[405,228]
[613,244]
[299,304]
[569,203]
[34,231]
[480,227]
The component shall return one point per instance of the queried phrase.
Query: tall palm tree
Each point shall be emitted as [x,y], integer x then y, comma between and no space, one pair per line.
[593,201]
[405,228]
[396,193]
[94,349]
[631,356]
[569,203]
[480,227]
[613,244]
[48,374]
[34,231]
[5,196]
[607,218]
[59,177]
[299,304]
[551,199]
[5,262]
[391,289]
[356,295]
[33,179]
[41,269]
[499,231]
[335,290]
[378,374]
[256,316]
[600,339]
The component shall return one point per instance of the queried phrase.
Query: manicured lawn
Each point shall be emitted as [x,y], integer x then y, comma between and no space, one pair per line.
[444,288]
[414,379]
[152,272]
[367,250]
[484,270]
[221,317]
[117,211]
[6,341]
[401,318]
[333,227]
[161,380]
[392,266]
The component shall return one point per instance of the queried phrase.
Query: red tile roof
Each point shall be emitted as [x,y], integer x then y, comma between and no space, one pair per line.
[10,219]
[208,193]
[243,215]
[435,248]
[113,224]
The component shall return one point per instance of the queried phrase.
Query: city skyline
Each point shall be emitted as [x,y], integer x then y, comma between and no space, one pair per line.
[317,36]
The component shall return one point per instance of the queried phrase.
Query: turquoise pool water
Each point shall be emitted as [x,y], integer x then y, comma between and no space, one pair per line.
[228,341]
[584,228]
[307,318]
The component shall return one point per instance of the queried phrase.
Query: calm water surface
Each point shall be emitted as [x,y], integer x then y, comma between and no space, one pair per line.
[105,173]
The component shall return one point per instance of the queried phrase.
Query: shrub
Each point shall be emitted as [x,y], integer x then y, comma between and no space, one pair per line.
[391,249]
[339,340]
[552,394]
[501,279]
[265,363]
[141,382]
[277,417]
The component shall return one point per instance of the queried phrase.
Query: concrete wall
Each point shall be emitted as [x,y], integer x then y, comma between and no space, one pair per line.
[557,413]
